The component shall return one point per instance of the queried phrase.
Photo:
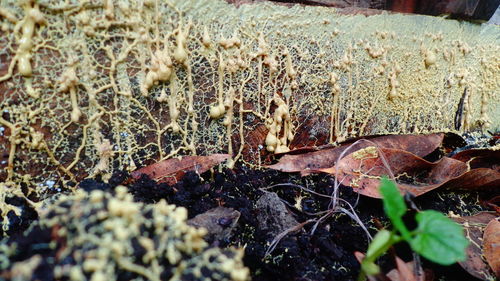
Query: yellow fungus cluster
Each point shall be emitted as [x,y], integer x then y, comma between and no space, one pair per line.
[160,71]
[32,17]
[280,128]
[105,236]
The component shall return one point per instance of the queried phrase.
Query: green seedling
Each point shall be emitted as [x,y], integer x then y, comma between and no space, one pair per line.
[436,237]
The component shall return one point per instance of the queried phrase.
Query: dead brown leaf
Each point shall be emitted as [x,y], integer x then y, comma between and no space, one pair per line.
[477,179]
[171,170]
[362,171]
[493,204]
[420,145]
[491,245]
[403,272]
[474,227]
[412,173]
[480,158]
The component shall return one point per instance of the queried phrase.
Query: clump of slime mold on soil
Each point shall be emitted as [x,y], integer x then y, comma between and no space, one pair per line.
[107,236]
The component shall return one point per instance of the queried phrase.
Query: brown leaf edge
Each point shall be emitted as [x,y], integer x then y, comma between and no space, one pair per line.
[491,245]
[420,145]
[474,227]
[412,173]
[403,272]
[172,170]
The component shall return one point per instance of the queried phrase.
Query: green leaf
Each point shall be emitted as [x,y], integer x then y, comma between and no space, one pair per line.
[394,205]
[370,268]
[438,238]
[379,244]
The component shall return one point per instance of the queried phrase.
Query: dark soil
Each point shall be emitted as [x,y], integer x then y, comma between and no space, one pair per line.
[325,255]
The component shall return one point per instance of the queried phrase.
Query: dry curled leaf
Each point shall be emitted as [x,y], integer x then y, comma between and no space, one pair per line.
[171,170]
[480,158]
[476,179]
[412,173]
[420,145]
[493,204]
[474,227]
[362,170]
[491,245]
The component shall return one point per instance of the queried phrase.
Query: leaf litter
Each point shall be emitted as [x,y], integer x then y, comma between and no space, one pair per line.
[325,158]
[400,157]
[171,170]
[491,242]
